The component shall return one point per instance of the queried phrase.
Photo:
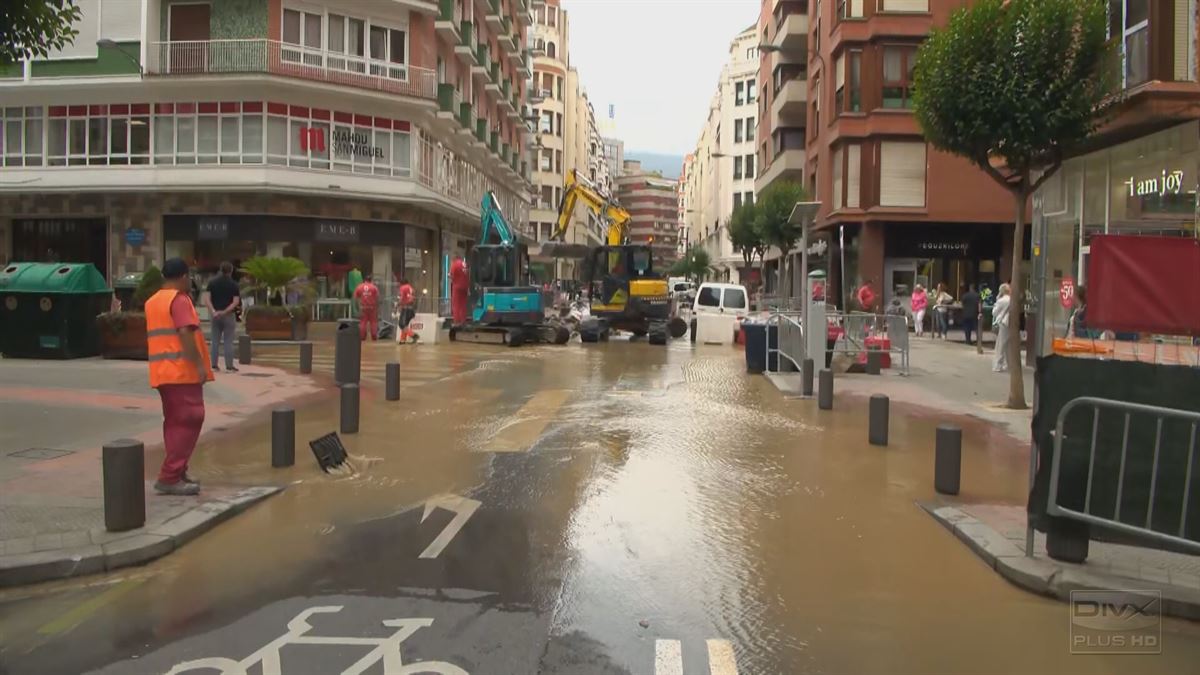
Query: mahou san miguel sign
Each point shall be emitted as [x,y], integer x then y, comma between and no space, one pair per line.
[346,143]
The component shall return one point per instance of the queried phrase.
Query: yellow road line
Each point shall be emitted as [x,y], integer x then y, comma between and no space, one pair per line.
[80,613]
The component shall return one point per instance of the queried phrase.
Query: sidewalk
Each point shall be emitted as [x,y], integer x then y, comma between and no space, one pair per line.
[54,418]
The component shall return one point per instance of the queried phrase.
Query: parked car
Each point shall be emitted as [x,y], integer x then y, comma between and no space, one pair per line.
[720,299]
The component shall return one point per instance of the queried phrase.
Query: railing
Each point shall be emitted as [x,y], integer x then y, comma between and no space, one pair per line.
[218,57]
[441,170]
[860,332]
[1156,414]
[790,343]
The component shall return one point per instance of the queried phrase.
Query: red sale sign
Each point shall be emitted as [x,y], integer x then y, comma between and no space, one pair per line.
[1066,292]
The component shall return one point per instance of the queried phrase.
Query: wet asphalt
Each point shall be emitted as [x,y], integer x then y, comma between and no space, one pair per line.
[603,509]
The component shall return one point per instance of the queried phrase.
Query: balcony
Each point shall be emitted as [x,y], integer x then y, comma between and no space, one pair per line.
[513,105]
[448,21]
[493,83]
[481,130]
[494,17]
[494,142]
[792,35]
[449,101]
[526,64]
[466,118]
[787,165]
[505,149]
[791,103]
[466,45]
[234,57]
[483,61]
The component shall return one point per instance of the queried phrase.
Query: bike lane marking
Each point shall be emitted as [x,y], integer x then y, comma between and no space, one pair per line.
[529,422]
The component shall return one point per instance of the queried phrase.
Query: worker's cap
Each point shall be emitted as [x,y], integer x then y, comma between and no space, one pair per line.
[175,268]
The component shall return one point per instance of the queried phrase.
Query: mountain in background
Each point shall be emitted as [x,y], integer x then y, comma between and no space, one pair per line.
[668,165]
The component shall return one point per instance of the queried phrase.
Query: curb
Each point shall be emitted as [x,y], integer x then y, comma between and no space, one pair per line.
[1049,578]
[112,550]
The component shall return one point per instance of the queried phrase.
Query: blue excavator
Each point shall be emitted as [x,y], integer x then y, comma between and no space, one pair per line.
[505,307]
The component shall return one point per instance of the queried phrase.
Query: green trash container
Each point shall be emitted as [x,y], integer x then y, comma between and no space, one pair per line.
[48,310]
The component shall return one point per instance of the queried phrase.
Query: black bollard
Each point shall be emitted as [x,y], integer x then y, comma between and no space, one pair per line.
[244,347]
[947,460]
[347,354]
[806,377]
[874,361]
[123,469]
[306,358]
[349,412]
[392,376]
[877,431]
[825,389]
[283,437]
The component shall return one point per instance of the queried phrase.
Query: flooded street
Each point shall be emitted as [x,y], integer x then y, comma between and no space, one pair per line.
[577,509]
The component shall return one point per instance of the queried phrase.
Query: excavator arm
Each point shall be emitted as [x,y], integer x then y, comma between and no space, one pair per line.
[492,218]
[578,189]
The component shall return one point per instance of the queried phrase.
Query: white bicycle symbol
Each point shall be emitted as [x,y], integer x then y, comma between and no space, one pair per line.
[386,650]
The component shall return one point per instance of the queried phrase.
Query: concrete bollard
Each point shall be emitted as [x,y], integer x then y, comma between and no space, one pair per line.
[874,361]
[349,408]
[807,368]
[244,349]
[947,460]
[283,437]
[392,377]
[347,357]
[123,469]
[306,358]
[877,429]
[825,389]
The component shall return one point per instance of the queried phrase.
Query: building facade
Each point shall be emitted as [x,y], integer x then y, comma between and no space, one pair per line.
[614,155]
[653,204]
[724,159]
[350,135]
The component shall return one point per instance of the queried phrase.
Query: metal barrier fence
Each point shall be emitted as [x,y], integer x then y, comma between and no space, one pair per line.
[861,331]
[1158,415]
[790,343]
[777,303]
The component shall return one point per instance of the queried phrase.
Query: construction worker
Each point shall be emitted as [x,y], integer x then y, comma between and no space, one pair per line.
[407,299]
[179,368]
[367,295]
[460,283]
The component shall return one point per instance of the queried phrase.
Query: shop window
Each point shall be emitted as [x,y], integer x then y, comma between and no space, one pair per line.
[185,140]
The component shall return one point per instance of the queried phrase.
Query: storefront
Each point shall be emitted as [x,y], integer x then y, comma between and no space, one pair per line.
[61,240]
[955,254]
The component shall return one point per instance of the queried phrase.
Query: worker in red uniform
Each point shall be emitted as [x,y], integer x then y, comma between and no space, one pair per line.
[407,302]
[460,283]
[367,295]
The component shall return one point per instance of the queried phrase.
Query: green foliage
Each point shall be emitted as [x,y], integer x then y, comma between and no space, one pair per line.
[744,234]
[1024,81]
[148,285]
[695,264]
[116,323]
[773,211]
[34,28]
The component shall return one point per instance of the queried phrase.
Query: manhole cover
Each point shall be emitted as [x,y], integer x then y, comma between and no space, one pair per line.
[40,453]
[258,375]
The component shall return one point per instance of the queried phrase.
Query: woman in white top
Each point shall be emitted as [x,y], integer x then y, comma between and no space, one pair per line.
[1000,314]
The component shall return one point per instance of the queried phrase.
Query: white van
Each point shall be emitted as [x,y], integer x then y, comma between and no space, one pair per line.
[729,300]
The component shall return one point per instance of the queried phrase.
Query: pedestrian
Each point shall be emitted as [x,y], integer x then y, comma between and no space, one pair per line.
[1000,323]
[406,298]
[179,368]
[941,311]
[223,299]
[460,283]
[367,294]
[920,301]
[1077,325]
[970,312]
[866,296]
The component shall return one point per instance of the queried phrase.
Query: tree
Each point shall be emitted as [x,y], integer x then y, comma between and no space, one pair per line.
[745,236]
[772,216]
[275,275]
[695,264]
[1015,86]
[34,28]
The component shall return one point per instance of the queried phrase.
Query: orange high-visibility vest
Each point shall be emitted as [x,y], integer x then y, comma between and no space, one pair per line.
[168,364]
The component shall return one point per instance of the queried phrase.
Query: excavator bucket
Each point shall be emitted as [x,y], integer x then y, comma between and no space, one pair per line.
[558,249]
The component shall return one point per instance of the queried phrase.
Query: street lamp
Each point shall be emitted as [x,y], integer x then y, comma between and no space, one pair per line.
[107,43]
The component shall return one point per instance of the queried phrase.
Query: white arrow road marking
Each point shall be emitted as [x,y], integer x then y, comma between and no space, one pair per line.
[462,507]
[668,658]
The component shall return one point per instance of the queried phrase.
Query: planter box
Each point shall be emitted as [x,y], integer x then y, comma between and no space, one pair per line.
[123,338]
[272,326]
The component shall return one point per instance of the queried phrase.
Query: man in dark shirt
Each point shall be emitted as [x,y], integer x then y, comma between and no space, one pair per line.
[223,300]
[970,312]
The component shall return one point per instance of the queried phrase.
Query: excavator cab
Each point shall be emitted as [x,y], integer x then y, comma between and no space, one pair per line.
[500,292]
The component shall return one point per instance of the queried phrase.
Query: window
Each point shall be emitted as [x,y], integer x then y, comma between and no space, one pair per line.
[904,5]
[1129,24]
[853,180]
[737,131]
[751,93]
[751,54]
[709,297]
[837,178]
[898,63]
[739,90]
[737,168]
[735,298]
[750,124]
[854,81]
[901,173]
[302,30]
[559,129]
[737,201]
[748,198]
[750,166]
[547,163]
[22,136]
[547,122]
[816,107]
[558,81]
[551,51]
[558,161]
[839,89]
[547,197]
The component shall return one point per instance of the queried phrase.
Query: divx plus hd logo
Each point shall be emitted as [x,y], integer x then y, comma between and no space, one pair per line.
[1116,622]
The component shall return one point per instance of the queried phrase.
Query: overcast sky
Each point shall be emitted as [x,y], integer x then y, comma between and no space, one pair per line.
[656,61]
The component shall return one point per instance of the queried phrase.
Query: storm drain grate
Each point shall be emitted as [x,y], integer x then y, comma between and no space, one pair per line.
[40,453]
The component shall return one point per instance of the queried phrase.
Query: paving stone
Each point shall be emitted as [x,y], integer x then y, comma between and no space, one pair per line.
[18,546]
[1156,574]
[47,542]
[76,539]
[136,550]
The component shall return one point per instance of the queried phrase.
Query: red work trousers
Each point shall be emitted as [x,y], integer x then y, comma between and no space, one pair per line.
[458,305]
[369,319]
[183,416]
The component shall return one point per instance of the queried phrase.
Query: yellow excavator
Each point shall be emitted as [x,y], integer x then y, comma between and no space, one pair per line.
[625,291]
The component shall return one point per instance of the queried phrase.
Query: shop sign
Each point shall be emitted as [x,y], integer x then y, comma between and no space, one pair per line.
[1169,183]
[1066,292]
[212,228]
[346,143]
[941,248]
[336,232]
[135,236]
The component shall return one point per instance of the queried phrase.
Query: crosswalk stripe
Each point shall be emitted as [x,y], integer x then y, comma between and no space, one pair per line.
[668,657]
[721,660]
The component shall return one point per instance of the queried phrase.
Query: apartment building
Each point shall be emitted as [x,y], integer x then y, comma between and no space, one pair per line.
[722,175]
[653,203]
[837,79]
[614,154]
[345,134]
